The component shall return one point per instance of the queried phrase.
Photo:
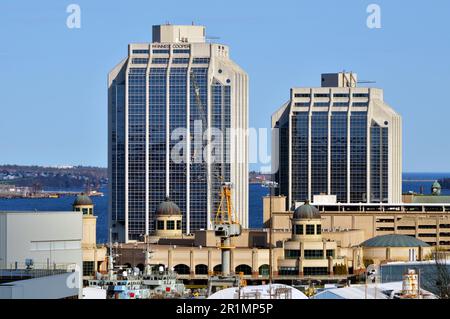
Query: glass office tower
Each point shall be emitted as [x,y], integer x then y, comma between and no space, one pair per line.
[339,140]
[163,100]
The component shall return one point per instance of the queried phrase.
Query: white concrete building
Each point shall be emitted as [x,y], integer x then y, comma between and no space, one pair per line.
[177,81]
[338,139]
[47,238]
[40,255]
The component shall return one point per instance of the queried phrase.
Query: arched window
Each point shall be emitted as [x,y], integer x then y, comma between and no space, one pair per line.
[201,269]
[263,270]
[246,269]
[182,269]
[217,268]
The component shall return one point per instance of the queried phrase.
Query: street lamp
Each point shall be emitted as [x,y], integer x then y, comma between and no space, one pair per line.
[271,185]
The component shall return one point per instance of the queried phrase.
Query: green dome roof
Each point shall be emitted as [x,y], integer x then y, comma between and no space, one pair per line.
[306,211]
[168,208]
[436,185]
[394,241]
[82,200]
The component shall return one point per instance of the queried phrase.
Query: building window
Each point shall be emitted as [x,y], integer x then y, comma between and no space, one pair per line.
[180,61]
[288,271]
[361,95]
[315,271]
[321,95]
[264,270]
[159,51]
[340,95]
[201,269]
[427,235]
[340,104]
[427,226]
[139,51]
[304,104]
[309,229]
[385,229]
[170,225]
[313,254]
[302,95]
[160,225]
[330,253]
[318,229]
[178,224]
[160,61]
[406,228]
[298,229]
[292,254]
[182,51]
[360,104]
[139,61]
[200,61]
[88,268]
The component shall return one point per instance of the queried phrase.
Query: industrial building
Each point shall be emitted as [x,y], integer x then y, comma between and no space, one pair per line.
[340,140]
[178,81]
[40,255]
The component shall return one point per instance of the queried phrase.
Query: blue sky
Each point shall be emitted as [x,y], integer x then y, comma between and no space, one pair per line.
[53,101]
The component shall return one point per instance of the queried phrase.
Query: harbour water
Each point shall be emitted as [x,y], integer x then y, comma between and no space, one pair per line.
[411,182]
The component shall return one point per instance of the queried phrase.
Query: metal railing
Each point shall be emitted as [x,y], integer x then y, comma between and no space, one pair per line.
[21,271]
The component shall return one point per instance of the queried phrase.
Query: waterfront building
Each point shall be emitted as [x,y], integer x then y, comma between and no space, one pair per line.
[177,81]
[307,252]
[428,222]
[338,139]
[94,255]
[297,254]
[39,253]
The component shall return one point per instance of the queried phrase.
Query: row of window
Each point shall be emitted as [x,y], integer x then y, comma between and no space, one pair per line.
[309,230]
[335,104]
[307,271]
[309,253]
[168,225]
[327,95]
[166,61]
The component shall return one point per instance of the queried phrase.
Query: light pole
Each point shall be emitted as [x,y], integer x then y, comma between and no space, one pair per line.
[271,185]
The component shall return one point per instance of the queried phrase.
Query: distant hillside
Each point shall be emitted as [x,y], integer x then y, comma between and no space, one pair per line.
[53,177]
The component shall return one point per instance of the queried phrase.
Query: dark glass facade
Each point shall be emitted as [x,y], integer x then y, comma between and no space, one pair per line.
[170,91]
[117,128]
[319,153]
[136,152]
[358,157]
[339,142]
[379,163]
[198,171]
[299,157]
[177,119]
[157,140]
[339,155]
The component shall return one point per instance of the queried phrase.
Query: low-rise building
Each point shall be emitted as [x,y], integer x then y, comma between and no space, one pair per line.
[40,254]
